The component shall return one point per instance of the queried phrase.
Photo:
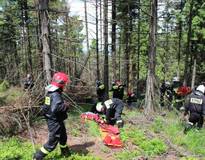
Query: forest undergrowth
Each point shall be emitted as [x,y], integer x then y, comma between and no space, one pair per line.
[161,138]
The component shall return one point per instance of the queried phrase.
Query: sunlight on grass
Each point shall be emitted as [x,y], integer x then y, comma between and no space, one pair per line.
[15,149]
[193,141]
[127,155]
[147,146]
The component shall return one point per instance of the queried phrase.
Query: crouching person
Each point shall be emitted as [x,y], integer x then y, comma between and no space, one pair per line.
[195,108]
[55,112]
[112,109]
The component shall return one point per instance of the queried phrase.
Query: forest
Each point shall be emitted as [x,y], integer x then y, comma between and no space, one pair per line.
[153,49]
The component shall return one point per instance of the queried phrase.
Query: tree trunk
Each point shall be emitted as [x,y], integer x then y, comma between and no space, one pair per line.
[138,45]
[114,23]
[101,28]
[150,90]
[193,74]
[97,42]
[179,42]
[26,21]
[43,6]
[106,64]
[188,49]
[87,41]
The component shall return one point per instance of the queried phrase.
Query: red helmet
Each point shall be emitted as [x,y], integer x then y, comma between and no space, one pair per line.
[118,82]
[60,79]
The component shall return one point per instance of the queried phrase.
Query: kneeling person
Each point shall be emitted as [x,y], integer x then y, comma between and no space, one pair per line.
[112,109]
[195,108]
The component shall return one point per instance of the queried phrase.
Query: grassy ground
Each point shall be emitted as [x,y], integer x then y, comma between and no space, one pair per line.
[159,139]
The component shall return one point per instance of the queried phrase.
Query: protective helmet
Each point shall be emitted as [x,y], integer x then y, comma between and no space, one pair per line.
[201,88]
[175,79]
[98,83]
[59,80]
[99,107]
[28,76]
[118,82]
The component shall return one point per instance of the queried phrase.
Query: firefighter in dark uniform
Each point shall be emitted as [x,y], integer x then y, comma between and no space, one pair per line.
[112,108]
[195,108]
[117,89]
[100,89]
[101,95]
[28,83]
[55,112]
[178,99]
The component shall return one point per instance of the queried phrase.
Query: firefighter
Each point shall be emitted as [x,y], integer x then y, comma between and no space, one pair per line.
[112,108]
[178,98]
[166,92]
[28,83]
[195,108]
[130,98]
[101,95]
[55,112]
[100,89]
[118,89]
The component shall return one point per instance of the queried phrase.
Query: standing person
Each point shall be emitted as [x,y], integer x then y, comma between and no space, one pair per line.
[130,98]
[118,90]
[101,95]
[55,112]
[112,108]
[100,90]
[28,82]
[195,108]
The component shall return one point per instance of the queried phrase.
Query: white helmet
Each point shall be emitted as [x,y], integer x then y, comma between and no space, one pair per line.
[201,88]
[99,107]
[175,79]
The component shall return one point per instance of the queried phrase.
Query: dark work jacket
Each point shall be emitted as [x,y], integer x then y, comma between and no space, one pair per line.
[101,93]
[118,91]
[114,110]
[54,108]
[195,103]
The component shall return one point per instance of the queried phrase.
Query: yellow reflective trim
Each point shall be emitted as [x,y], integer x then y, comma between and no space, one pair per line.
[102,86]
[63,146]
[47,100]
[115,87]
[44,150]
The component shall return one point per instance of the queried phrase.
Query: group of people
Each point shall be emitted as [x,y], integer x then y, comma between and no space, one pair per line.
[182,97]
[55,112]
[111,107]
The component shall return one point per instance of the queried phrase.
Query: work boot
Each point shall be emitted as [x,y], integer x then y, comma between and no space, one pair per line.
[39,155]
[188,126]
[65,152]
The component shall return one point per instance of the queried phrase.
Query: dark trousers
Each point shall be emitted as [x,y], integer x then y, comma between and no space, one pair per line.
[57,134]
[196,119]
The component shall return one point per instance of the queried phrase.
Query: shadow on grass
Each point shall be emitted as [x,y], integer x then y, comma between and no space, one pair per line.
[81,149]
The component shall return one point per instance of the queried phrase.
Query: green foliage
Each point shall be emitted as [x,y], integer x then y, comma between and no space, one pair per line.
[4,86]
[93,128]
[153,147]
[157,126]
[15,149]
[189,158]
[193,141]
[147,146]
[10,95]
[128,155]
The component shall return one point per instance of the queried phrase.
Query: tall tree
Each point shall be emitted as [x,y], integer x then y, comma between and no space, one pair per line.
[114,23]
[188,49]
[97,41]
[150,96]
[106,64]
[43,7]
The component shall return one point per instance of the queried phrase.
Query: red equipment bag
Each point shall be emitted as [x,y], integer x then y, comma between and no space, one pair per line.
[90,116]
